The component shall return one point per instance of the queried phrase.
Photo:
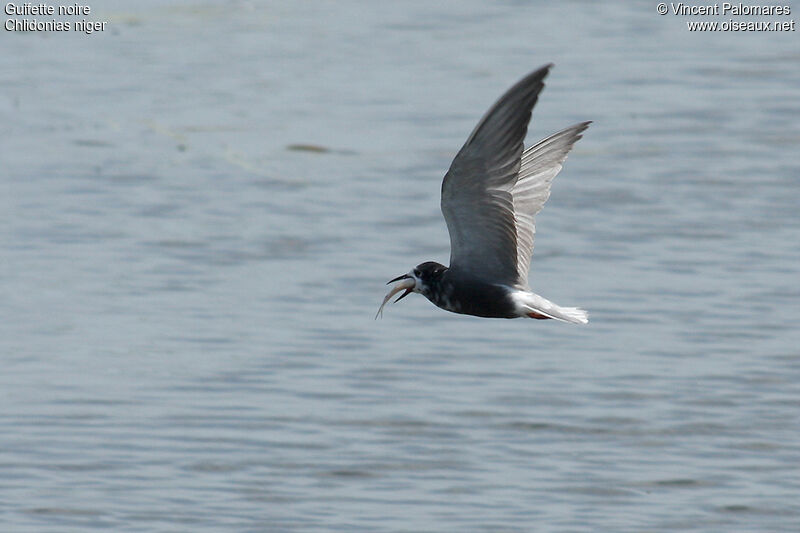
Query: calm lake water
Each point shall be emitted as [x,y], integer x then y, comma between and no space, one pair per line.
[202,205]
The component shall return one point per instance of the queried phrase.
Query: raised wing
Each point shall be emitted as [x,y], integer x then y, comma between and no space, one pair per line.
[540,164]
[477,200]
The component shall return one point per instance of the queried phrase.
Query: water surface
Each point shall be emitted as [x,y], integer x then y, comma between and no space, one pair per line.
[203,203]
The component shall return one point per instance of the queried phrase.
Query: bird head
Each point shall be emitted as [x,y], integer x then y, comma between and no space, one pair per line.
[418,280]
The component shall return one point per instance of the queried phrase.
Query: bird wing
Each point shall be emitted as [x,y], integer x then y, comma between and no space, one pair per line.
[540,164]
[477,199]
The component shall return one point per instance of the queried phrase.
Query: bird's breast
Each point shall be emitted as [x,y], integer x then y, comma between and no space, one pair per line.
[471,296]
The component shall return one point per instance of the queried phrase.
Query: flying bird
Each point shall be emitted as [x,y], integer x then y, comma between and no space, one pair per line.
[490,196]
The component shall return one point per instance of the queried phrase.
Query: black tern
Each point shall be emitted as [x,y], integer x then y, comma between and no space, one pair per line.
[490,196]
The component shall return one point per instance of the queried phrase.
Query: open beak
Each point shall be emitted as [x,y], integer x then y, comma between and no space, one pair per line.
[406,282]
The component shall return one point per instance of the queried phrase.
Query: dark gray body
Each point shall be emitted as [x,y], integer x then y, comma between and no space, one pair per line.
[460,292]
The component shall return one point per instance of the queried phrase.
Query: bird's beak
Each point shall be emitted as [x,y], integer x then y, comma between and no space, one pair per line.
[402,286]
[406,282]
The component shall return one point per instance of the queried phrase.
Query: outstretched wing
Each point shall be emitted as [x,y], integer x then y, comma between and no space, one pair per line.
[477,199]
[540,164]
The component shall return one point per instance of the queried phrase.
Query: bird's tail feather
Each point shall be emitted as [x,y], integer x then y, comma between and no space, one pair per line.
[575,315]
[535,306]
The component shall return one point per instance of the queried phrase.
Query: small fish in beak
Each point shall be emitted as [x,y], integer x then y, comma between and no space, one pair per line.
[406,282]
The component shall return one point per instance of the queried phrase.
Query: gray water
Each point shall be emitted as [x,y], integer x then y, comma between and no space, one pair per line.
[187,291]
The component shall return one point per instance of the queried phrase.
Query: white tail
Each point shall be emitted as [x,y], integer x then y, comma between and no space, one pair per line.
[534,306]
[575,315]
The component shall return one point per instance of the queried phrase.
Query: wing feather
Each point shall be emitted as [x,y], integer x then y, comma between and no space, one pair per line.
[540,164]
[477,192]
